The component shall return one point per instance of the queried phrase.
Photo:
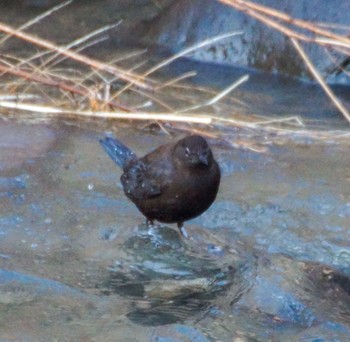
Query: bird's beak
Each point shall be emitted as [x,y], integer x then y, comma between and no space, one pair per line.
[204,159]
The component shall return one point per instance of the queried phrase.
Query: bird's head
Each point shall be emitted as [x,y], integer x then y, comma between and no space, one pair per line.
[193,151]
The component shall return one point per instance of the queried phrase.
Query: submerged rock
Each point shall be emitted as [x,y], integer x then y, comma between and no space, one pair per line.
[171,280]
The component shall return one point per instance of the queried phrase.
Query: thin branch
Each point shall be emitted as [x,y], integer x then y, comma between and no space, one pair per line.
[266,20]
[320,80]
[191,49]
[36,19]
[173,81]
[254,8]
[217,97]
[55,82]
[233,86]
[181,54]
[109,115]
[129,77]
[81,40]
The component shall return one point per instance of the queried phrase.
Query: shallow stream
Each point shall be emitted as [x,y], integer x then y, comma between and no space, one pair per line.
[269,261]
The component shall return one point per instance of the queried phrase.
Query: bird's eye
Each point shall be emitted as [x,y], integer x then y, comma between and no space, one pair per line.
[187,151]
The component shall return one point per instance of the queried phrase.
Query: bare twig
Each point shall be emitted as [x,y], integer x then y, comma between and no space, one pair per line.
[263,13]
[217,97]
[110,115]
[79,41]
[173,81]
[233,86]
[273,18]
[55,82]
[126,76]
[320,80]
[37,19]
[183,53]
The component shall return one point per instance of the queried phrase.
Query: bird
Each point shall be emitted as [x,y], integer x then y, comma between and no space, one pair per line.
[174,183]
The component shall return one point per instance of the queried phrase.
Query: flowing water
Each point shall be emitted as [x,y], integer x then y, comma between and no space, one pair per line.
[269,261]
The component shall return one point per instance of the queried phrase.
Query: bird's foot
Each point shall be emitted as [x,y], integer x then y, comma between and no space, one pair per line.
[152,228]
[149,222]
[182,229]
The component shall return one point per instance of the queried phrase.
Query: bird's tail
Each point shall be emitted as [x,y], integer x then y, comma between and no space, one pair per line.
[118,152]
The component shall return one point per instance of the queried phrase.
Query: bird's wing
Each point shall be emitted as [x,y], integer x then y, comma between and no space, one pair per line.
[140,181]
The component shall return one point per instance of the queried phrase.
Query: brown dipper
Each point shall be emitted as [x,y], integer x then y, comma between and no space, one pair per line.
[174,183]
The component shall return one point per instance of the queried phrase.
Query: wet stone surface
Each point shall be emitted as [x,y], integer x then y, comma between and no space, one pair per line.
[268,261]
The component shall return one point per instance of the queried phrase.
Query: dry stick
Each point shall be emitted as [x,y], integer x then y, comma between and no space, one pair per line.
[54,83]
[133,79]
[80,83]
[336,41]
[290,120]
[191,49]
[335,26]
[181,54]
[242,5]
[79,41]
[37,19]
[233,86]
[92,73]
[107,84]
[18,97]
[217,97]
[327,41]
[42,54]
[111,115]
[270,22]
[175,80]
[336,65]
[287,18]
[320,80]
[319,135]
[154,99]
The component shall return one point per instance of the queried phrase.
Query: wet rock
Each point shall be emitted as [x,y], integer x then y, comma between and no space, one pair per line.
[185,23]
[332,287]
[341,279]
[295,296]
[275,297]
[19,288]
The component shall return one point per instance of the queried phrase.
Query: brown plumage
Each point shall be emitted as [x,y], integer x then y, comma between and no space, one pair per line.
[174,183]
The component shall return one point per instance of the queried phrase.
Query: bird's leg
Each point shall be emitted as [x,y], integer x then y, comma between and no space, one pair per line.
[182,229]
